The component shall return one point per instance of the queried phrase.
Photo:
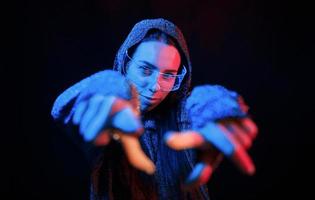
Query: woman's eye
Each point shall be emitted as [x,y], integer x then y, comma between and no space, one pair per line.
[145,70]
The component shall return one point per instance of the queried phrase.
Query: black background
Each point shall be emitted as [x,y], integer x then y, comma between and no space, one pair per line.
[264,50]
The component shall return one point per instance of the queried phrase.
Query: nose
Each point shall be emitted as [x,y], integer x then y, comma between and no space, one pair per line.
[153,83]
[154,87]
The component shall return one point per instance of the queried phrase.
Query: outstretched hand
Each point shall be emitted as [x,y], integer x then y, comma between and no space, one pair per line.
[220,126]
[102,118]
[230,137]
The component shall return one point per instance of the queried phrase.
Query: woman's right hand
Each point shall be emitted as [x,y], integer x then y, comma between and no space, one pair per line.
[101,118]
[102,113]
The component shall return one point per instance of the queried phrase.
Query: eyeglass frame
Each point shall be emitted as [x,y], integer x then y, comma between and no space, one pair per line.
[180,76]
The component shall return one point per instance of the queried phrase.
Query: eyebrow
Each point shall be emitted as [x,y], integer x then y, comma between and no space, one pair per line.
[155,67]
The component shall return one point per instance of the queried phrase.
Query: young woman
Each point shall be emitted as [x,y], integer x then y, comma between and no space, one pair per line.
[148,95]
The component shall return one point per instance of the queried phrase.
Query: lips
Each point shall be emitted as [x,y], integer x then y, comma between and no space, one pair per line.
[149,98]
[147,103]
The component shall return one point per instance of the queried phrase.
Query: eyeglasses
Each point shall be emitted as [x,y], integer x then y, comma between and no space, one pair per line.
[167,82]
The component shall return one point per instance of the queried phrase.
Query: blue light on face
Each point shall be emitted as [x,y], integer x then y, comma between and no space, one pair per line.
[166,82]
[153,70]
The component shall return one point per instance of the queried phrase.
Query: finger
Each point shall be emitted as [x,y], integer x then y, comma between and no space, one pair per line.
[215,136]
[228,146]
[126,121]
[103,138]
[238,133]
[135,155]
[134,101]
[200,174]
[183,140]
[100,117]
[244,107]
[211,156]
[250,126]
[79,112]
[119,105]
[243,160]
[90,112]
[240,157]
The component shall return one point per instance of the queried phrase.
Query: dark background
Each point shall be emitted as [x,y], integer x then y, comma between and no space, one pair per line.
[264,50]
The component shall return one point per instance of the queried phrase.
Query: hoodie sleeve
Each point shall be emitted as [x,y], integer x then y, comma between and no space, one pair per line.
[212,103]
[107,82]
[62,106]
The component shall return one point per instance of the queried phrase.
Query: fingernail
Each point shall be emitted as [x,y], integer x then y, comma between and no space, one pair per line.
[251,170]
[205,174]
[167,136]
[126,121]
[150,169]
[244,160]
[195,173]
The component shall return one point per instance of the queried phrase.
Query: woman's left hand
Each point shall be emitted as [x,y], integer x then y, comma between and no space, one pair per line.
[230,137]
[220,126]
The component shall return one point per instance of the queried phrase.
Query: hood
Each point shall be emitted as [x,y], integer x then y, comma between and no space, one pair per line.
[138,33]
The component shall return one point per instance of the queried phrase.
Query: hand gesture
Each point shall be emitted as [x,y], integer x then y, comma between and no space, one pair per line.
[221,126]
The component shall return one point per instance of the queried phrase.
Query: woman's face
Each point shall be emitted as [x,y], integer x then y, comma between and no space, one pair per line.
[150,59]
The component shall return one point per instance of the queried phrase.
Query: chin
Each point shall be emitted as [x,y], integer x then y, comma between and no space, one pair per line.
[146,108]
